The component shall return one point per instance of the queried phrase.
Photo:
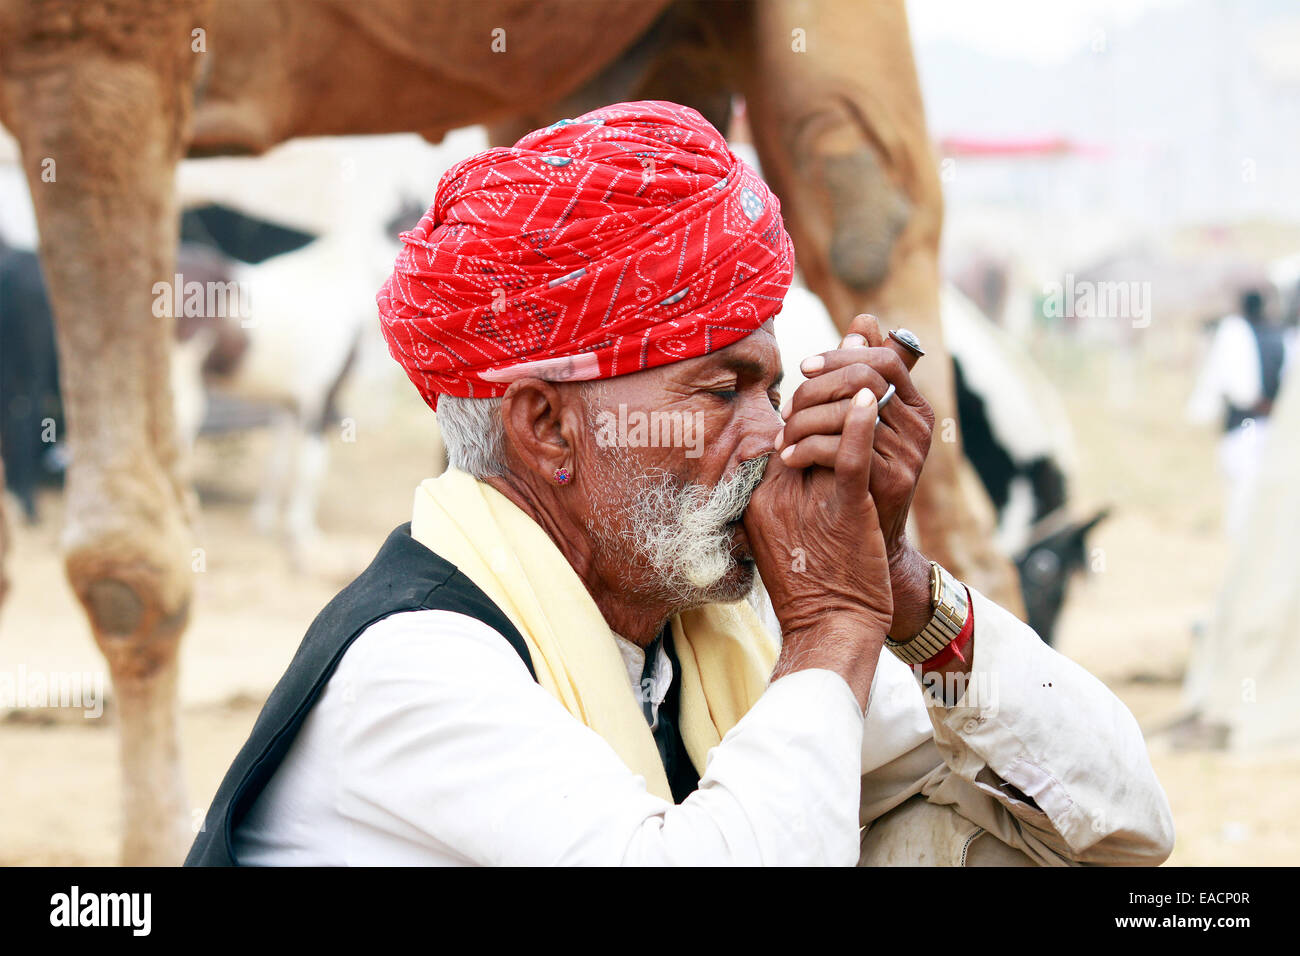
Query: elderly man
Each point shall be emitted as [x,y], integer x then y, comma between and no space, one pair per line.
[554,661]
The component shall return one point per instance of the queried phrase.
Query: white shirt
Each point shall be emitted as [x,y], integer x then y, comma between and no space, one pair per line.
[432,745]
[650,691]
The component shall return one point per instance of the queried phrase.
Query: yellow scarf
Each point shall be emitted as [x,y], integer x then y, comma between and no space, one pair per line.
[725,652]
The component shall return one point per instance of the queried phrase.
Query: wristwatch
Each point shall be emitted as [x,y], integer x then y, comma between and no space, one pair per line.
[950,610]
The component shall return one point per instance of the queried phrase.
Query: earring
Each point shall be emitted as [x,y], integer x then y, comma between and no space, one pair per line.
[562,476]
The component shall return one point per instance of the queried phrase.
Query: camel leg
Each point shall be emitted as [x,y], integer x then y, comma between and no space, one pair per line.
[837,119]
[101,133]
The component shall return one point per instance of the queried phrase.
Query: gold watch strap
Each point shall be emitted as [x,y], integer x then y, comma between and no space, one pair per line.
[948,600]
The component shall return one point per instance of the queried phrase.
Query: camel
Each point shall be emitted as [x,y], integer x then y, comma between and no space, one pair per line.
[105,99]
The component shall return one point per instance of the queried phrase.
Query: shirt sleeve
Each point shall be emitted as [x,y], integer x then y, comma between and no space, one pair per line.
[450,744]
[1036,751]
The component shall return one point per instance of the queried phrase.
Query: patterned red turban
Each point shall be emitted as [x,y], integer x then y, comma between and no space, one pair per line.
[625,239]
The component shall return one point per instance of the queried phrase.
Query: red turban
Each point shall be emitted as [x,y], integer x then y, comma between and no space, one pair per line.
[625,239]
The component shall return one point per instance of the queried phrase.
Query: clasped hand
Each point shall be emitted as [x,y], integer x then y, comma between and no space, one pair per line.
[828,524]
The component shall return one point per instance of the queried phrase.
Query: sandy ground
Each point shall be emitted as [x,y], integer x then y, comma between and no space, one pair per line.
[1159,558]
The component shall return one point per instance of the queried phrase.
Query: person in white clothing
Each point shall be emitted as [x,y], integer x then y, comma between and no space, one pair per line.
[1237,387]
[556,662]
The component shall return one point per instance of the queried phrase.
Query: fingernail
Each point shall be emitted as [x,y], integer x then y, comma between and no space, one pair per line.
[785,455]
[813,363]
[785,409]
[864,398]
[780,438]
[854,341]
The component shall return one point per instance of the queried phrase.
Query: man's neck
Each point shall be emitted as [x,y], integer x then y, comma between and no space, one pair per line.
[638,621]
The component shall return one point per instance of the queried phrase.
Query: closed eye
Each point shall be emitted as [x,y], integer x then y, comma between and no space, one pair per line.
[730,395]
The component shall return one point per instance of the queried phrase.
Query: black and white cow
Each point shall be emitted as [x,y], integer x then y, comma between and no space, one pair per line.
[301,239]
[277,352]
[1029,495]
[31,406]
[312,320]
[229,372]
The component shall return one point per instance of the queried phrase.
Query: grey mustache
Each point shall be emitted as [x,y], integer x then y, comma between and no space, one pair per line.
[749,475]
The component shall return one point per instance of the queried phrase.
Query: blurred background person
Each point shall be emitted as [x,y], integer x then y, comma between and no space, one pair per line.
[1238,385]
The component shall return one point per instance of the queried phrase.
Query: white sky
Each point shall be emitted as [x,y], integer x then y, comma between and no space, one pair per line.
[1044,31]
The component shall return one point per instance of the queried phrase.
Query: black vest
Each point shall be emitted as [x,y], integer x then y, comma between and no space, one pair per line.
[405,576]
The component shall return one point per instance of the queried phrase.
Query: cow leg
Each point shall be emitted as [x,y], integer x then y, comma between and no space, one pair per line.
[310,462]
[839,126]
[277,473]
[100,117]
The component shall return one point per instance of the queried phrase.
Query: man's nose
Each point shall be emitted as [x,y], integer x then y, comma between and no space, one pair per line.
[762,424]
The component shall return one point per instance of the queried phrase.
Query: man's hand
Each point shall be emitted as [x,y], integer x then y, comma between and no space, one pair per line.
[815,536]
[815,418]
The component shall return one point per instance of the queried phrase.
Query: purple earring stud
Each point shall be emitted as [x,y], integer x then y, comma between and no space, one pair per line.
[562,476]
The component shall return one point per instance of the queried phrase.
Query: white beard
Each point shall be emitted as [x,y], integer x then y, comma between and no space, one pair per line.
[679,531]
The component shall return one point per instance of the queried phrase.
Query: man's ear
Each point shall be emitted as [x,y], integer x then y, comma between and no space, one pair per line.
[541,423]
